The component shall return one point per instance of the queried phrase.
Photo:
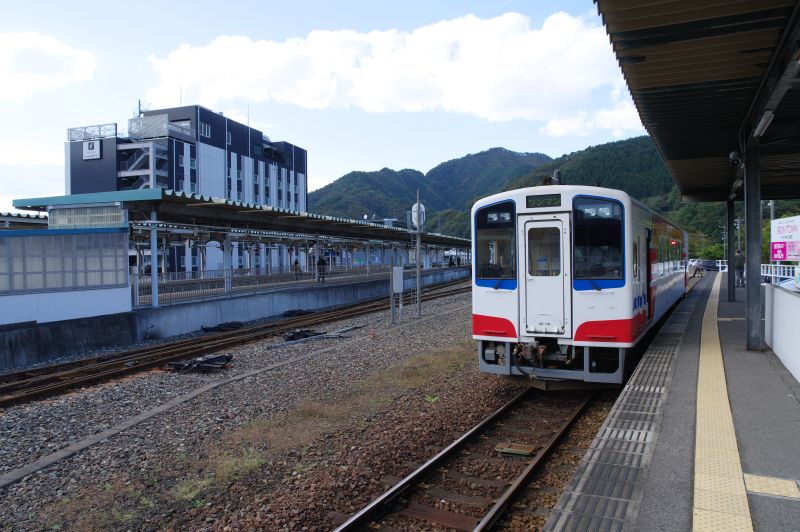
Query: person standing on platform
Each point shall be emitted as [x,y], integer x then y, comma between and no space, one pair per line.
[739,261]
[296,269]
[321,269]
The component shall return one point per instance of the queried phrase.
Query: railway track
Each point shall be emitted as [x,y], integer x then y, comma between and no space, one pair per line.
[36,383]
[470,484]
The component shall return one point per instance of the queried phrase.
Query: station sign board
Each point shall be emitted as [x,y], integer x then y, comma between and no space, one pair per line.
[91,149]
[785,239]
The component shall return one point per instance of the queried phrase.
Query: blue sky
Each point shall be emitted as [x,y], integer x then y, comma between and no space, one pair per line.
[361,85]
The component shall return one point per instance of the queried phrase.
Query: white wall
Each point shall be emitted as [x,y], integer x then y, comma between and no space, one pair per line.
[301,192]
[273,184]
[260,198]
[247,180]
[55,306]
[782,334]
[210,170]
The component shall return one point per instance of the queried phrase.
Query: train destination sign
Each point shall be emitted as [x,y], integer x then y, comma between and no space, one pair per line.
[544,200]
[785,237]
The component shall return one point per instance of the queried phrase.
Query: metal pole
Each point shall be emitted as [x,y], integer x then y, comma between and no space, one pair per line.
[316,260]
[154,259]
[391,295]
[771,217]
[227,263]
[730,254]
[419,234]
[738,233]
[165,254]
[752,217]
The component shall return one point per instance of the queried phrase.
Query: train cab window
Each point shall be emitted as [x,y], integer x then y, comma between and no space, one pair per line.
[544,252]
[597,239]
[495,242]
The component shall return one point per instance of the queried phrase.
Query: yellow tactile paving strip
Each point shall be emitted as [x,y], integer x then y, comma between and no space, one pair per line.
[720,498]
[780,487]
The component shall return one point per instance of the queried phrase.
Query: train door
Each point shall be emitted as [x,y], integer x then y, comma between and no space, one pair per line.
[546,275]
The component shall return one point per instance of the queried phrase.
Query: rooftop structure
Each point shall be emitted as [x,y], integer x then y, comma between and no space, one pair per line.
[188,149]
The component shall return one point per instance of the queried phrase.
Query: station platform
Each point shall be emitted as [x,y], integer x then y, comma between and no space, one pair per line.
[29,343]
[705,435]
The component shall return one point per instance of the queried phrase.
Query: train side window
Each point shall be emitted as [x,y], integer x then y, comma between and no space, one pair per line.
[544,252]
[597,239]
[495,242]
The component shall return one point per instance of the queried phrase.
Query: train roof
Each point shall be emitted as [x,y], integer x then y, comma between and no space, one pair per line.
[571,190]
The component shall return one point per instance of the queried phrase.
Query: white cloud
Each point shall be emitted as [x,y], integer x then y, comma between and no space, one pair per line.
[29,181]
[12,154]
[31,62]
[620,118]
[245,118]
[498,69]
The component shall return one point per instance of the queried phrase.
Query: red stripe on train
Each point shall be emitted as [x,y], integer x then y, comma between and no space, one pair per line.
[624,331]
[492,326]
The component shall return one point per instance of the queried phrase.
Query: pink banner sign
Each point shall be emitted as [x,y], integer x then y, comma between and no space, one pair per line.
[779,251]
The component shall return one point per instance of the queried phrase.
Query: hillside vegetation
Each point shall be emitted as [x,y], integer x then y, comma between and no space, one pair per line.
[450,189]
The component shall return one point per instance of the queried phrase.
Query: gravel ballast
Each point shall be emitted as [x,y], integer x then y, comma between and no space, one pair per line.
[233,458]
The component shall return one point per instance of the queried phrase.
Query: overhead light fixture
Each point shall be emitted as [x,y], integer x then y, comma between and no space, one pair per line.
[763,124]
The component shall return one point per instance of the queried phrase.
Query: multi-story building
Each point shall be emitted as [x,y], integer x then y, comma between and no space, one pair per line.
[194,150]
[189,149]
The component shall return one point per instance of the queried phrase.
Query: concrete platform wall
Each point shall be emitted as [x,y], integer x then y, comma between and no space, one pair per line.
[781,308]
[29,344]
[45,307]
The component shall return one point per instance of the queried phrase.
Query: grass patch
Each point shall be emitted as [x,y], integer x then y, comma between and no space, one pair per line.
[246,447]
[232,467]
[189,489]
[104,507]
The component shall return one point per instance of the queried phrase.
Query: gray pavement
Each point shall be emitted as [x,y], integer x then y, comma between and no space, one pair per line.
[765,403]
[649,486]
[668,489]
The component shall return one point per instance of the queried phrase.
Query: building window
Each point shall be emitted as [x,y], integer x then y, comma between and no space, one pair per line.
[180,160]
[205,130]
[228,137]
[192,163]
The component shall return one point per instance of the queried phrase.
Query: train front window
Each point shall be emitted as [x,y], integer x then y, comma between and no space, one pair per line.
[597,239]
[495,243]
[544,253]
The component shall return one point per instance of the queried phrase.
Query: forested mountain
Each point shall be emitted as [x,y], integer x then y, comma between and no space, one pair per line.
[632,165]
[453,184]
[450,189]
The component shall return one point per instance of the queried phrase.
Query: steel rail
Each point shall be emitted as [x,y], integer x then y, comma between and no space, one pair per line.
[144,358]
[499,508]
[379,506]
[7,379]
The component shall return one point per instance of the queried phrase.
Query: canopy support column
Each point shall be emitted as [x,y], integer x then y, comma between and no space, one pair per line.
[752,220]
[731,253]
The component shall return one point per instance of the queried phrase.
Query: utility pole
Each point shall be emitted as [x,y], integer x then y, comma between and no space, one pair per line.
[418,208]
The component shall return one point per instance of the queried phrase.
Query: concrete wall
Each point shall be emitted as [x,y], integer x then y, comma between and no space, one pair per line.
[30,344]
[781,308]
[67,305]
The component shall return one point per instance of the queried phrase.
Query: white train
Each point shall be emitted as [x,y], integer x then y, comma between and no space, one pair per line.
[568,279]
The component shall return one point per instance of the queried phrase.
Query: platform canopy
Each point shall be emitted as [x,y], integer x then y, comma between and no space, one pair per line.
[21,220]
[194,209]
[709,77]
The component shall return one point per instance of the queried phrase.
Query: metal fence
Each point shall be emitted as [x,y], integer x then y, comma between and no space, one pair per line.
[175,287]
[775,273]
[49,263]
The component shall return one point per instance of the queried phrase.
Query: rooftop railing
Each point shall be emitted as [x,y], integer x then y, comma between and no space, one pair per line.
[98,131]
